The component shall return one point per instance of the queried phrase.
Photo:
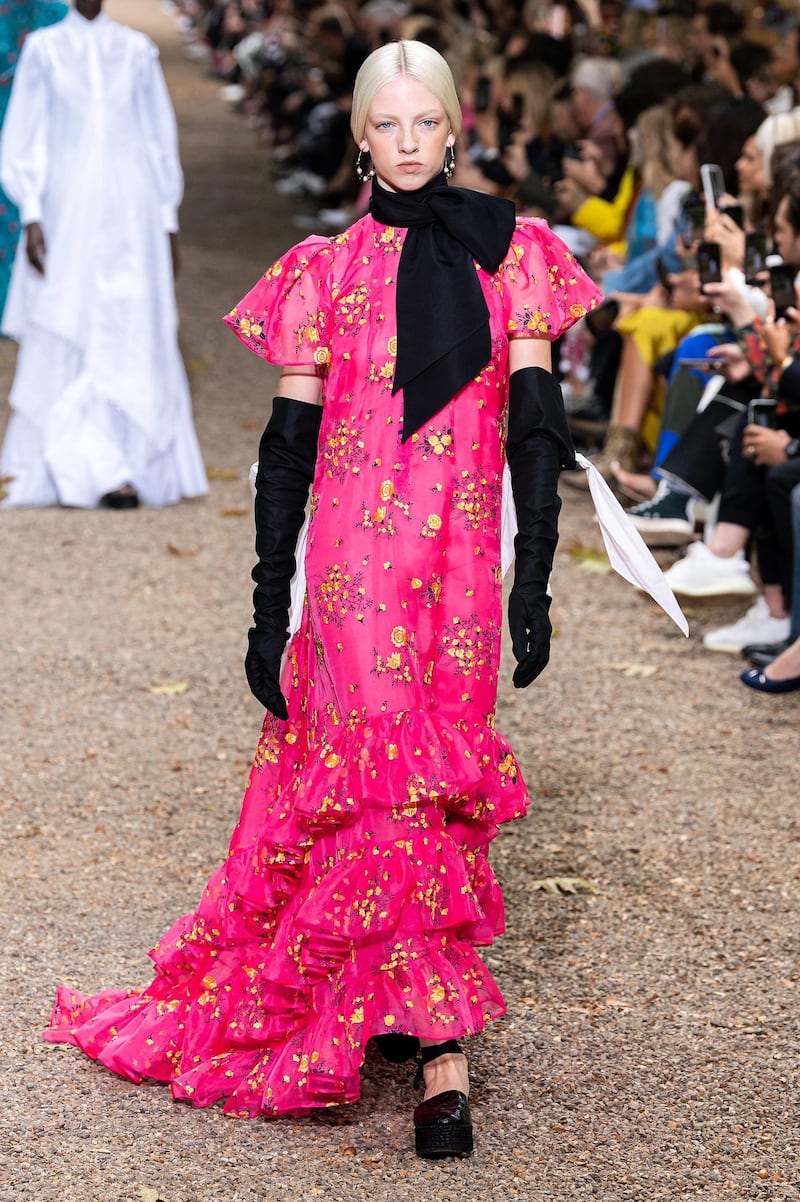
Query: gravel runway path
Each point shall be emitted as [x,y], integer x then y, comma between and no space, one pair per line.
[650,1049]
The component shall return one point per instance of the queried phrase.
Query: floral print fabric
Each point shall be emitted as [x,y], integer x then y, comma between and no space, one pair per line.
[357,884]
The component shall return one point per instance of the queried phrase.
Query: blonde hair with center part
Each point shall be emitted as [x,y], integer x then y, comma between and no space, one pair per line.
[396,59]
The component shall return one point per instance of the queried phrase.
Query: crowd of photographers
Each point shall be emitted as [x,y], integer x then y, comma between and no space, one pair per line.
[661,139]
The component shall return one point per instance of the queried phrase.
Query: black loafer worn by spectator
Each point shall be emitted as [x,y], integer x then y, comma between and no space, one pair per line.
[761,654]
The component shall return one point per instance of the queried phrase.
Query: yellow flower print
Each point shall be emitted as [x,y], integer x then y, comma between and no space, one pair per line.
[391,346]
[322,356]
[399,636]
[432,526]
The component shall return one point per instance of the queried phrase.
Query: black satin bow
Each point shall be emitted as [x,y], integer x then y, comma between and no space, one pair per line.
[443,336]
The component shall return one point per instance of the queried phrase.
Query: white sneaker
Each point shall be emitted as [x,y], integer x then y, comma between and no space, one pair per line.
[702,574]
[757,626]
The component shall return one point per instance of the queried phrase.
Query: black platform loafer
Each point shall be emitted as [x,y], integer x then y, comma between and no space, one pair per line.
[443,1126]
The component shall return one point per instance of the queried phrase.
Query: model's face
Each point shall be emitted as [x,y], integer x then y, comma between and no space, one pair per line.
[88,8]
[406,135]
[750,169]
[785,237]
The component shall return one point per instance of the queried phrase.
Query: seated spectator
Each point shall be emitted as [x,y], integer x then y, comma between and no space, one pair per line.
[776,666]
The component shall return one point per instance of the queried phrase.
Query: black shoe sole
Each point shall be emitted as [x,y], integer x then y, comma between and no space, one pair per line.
[435,1141]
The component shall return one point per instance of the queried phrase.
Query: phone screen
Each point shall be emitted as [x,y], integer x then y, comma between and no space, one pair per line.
[781,280]
[755,255]
[693,220]
[762,413]
[709,263]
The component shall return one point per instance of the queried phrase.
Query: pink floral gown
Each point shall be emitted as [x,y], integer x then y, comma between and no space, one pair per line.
[357,883]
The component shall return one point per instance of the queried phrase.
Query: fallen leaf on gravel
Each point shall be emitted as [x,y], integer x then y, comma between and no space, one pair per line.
[169,688]
[148,1195]
[564,884]
[600,567]
[578,550]
[628,669]
[181,552]
[234,513]
[222,473]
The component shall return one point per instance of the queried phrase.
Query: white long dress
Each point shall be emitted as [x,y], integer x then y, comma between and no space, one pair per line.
[100,397]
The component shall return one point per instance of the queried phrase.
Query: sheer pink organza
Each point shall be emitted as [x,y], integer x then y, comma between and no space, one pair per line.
[357,883]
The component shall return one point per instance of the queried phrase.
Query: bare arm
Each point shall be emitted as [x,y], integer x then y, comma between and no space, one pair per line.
[529,352]
[301,384]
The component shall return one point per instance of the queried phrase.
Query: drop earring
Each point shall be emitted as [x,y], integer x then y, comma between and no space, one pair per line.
[364,174]
[449,161]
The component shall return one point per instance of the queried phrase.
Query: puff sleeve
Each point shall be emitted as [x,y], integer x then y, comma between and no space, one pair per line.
[286,317]
[545,289]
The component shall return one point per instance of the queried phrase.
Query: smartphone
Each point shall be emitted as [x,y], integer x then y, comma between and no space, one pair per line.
[483,89]
[755,255]
[692,222]
[698,364]
[761,412]
[601,319]
[709,263]
[735,212]
[781,283]
[713,184]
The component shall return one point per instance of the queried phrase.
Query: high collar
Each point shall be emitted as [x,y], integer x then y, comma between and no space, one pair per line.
[78,22]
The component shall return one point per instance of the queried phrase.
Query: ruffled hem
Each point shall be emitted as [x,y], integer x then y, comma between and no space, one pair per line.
[209,1048]
[357,916]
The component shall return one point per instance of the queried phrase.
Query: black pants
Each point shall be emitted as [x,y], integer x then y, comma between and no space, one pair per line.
[759,498]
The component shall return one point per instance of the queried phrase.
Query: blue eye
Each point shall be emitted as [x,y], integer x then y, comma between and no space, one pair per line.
[383,125]
[430,122]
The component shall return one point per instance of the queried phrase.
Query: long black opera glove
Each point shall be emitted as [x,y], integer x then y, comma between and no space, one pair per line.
[539,445]
[286,458]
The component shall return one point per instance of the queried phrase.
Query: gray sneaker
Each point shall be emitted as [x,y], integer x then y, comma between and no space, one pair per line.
[667,520]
